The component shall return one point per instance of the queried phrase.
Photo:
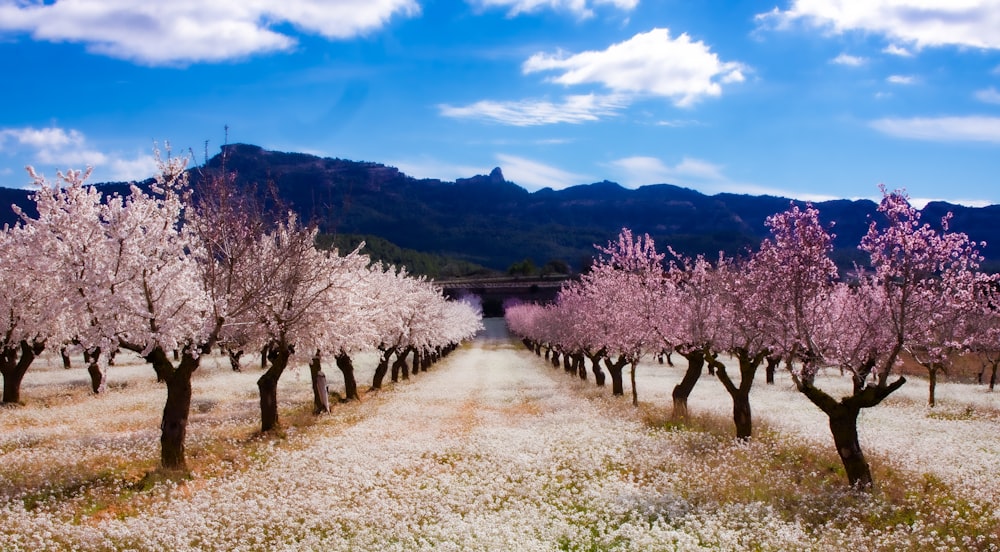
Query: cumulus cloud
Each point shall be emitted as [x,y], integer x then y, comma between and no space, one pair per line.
[697,174]
[640,170]
[916,23]
[652,63]
[896,50]
[942,129]
[572,109]
[989,95]
[158,32]
[581,8]
[433,168]
[534,175]
[61,149]
[849,60]
[901,79]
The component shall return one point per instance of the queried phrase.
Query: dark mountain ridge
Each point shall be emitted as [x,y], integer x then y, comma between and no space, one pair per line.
[491,221]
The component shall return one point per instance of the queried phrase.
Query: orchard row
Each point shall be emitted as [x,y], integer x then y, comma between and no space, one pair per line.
[171,275]
[922,296]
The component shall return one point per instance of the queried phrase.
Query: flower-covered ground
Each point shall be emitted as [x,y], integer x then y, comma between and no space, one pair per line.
[492,449]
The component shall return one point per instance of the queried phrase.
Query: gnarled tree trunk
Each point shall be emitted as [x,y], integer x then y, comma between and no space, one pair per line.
[742,417]
[843,415]
[681,392]
[99,378]
[772,366]
[347,368]
[177,408]
[615,369]
[267,384]
[14,363]
[382,368]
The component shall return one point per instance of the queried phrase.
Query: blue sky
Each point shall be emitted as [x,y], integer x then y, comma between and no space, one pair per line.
[801,98]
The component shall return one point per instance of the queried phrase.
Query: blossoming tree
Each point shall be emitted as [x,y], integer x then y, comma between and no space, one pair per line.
[917,271]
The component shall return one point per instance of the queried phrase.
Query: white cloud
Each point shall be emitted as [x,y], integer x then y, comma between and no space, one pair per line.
[158,32]
[60,149]
[989,95]
[533,175]
[901,79]
[141,167]
[696,174]
[942,129]
[918,23]
[433,168]
[849,60]
[581,8]
[573,109]
[896,50]
[921,202]
[651,63]
[640,170]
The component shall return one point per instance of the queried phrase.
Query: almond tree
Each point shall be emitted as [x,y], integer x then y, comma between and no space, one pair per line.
[984,327]
[917,271]
[398,297]
[695,308]
[296,289]
[73,254]
[126,268]
[29,311]
[348,323]
[626,286]
[743,332]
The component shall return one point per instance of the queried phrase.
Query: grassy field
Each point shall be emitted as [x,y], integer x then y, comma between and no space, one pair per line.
[493,449]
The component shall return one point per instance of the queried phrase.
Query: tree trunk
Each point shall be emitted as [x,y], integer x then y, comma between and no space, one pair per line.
[67,364]
[595,366]
[615,369]
[417,357]
[173,427]
[14,366]
[681,392]
[555,359]
[268,386]
[635,392]
[347,368]
[321,391]
[381,369]
[234,358]
[932,387]
[568,363]
[742,418]
[772,365]
[579,366]
[993,377]
[99,377]
[843,417]
[844,426]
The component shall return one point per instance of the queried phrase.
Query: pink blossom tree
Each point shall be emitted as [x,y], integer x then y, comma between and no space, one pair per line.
[694,308]
[917,271]
[744,332]
[29,311]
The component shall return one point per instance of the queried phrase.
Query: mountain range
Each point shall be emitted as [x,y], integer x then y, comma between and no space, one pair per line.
[495,223]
